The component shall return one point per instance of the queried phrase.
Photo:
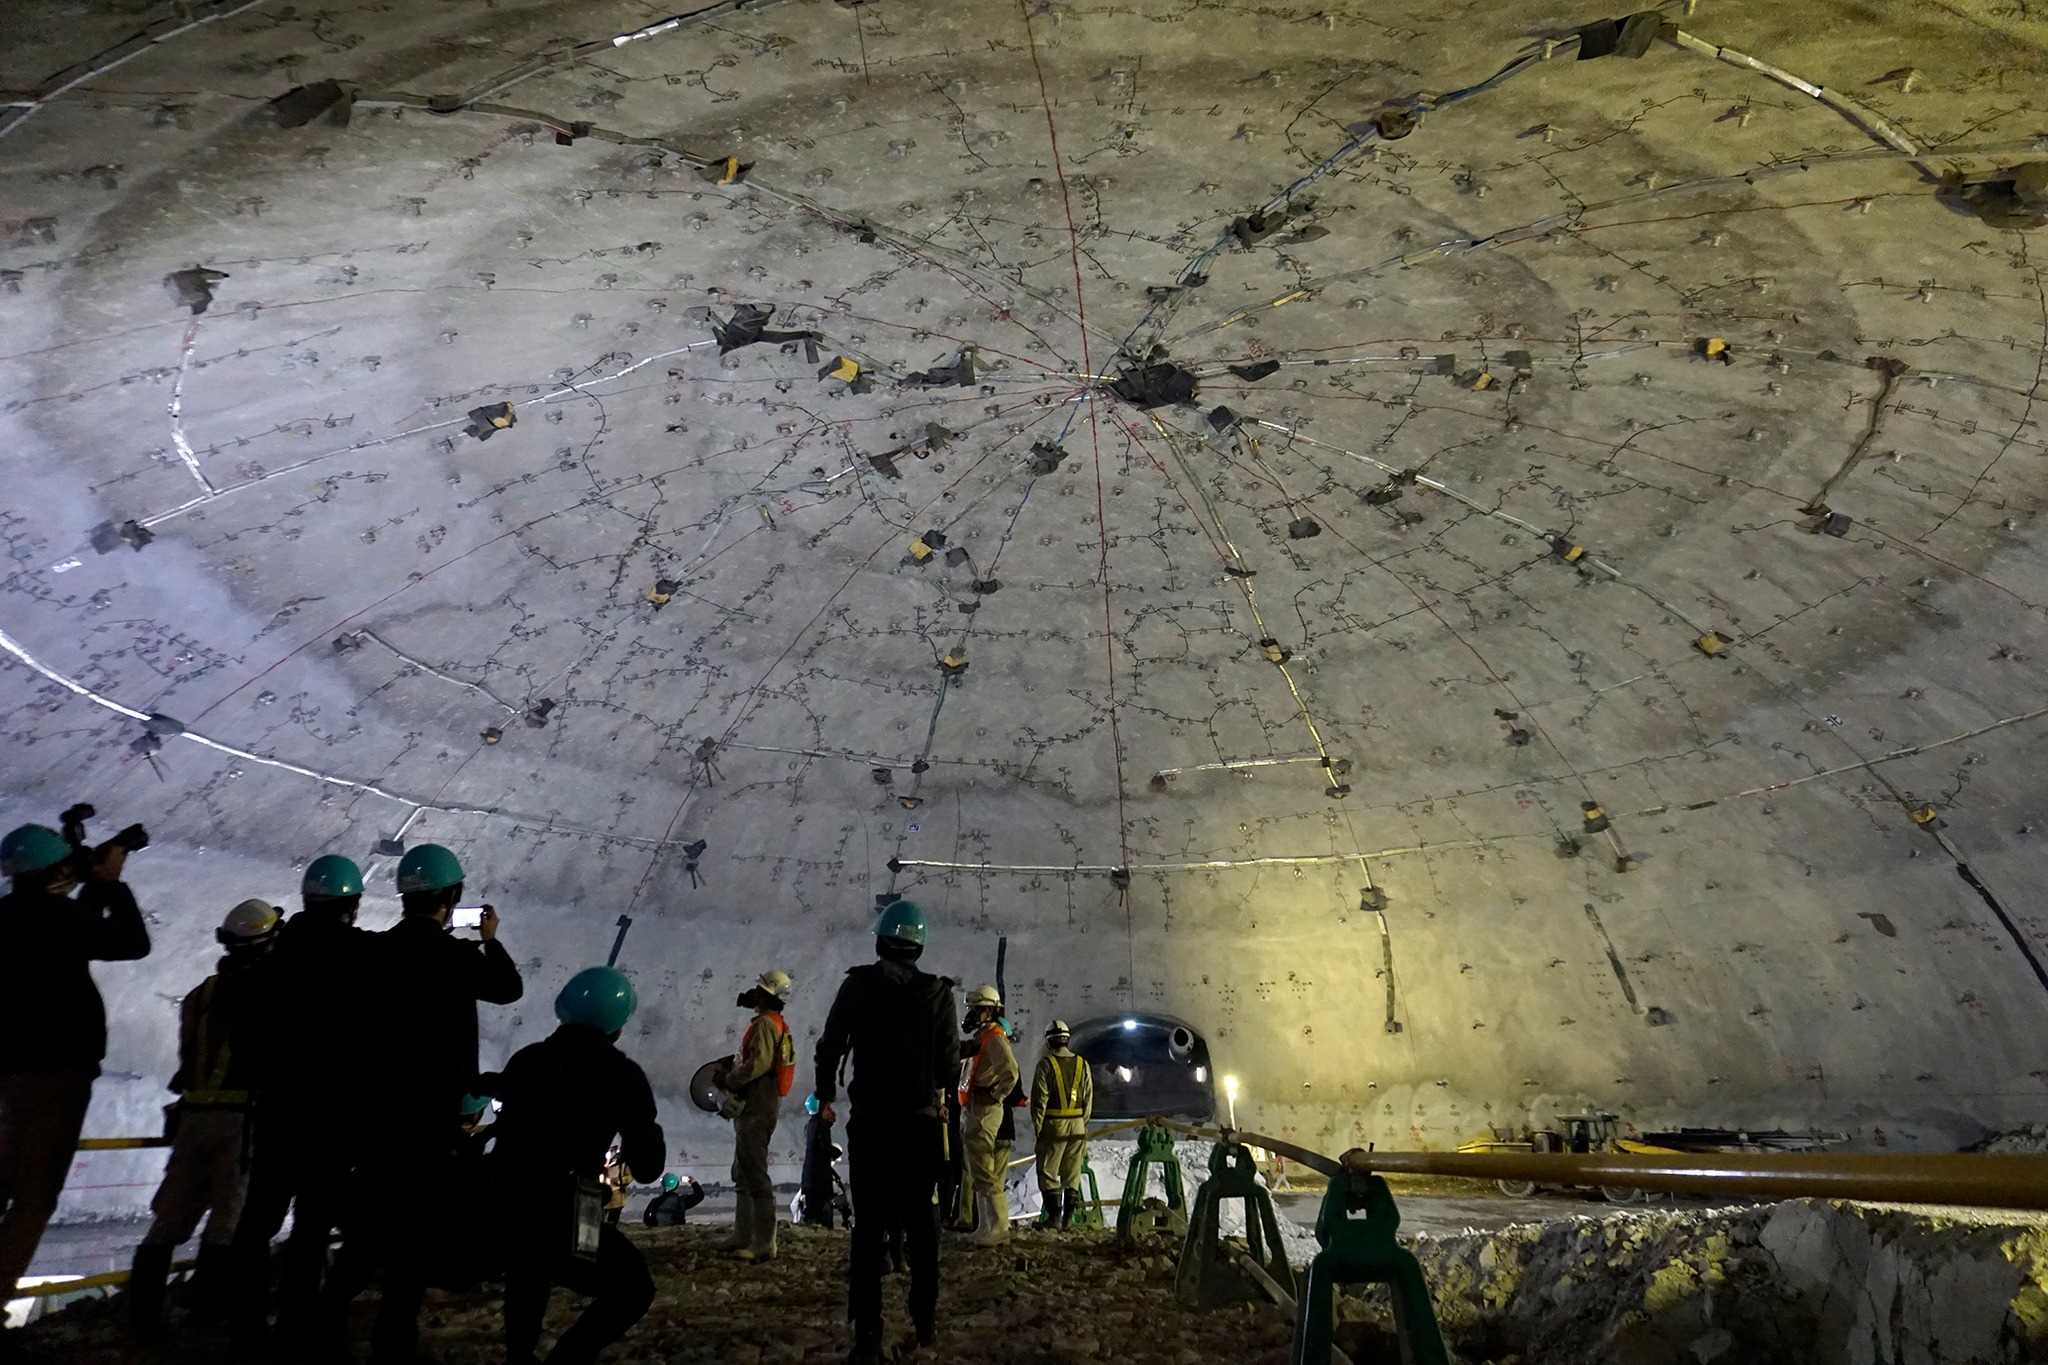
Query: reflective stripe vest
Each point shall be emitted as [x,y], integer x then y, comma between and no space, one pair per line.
[785,1050]
[202,1080]
[1066,1090]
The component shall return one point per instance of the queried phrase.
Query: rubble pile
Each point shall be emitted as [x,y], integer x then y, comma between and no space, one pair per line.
[1046,1300]
[1798,1283]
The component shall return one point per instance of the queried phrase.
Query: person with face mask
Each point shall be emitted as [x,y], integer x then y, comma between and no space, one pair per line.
[988,1079]
[756,1080]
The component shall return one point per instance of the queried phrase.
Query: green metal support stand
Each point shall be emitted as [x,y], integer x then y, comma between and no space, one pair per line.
[1208,1275]
[1155,1148]
[1356,1228]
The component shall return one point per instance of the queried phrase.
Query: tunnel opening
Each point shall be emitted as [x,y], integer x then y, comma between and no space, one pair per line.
[1147,1064]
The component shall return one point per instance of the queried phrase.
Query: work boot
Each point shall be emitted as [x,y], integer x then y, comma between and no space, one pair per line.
[761,1243]
[991,1229]
[147,1276]
[742,1235]
[1070,1208]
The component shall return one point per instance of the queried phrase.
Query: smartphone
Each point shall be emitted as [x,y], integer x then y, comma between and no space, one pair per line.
[466,917]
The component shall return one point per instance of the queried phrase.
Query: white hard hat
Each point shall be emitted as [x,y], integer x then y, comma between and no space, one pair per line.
[1058,1029]
[776,982]
[250,922]
[984,995]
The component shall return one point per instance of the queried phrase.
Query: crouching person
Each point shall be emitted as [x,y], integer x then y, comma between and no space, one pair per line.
[565,1099]
[208,1173]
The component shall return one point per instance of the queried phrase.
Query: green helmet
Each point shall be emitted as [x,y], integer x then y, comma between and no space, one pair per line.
[32,848]
[600,997]
[472,1105]
[902,920]
[332,877]
[428,867]
[670,1181]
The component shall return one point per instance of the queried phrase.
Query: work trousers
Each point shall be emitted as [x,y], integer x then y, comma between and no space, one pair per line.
[617,1283]
[1059,1159]
[893,1163]
[301,1166]
[985,1154]
[750,1137]
[206,1177]
[388,1233]
[40,1116]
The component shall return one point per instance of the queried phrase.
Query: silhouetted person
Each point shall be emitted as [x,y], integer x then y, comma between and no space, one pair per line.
[306,1053]
[411,1101]
[565,1098]
[53,1025]
[679,1194]
[896,1022]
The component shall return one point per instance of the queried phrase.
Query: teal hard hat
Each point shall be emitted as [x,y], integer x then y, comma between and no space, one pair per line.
[428,867]
[670,1181]
[902,920]
[332,877]
[32,848]
[810,1104]
[472,1105]
[600,997]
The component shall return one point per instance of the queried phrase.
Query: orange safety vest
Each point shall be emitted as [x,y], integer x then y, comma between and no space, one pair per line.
[785,1051]
[972,1064]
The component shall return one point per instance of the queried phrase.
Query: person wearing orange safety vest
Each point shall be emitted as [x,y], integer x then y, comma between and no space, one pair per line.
[987,1079]
[756,1080]
[1062,1102]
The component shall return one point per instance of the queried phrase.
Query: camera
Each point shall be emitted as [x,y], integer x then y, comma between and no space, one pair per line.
[133,839]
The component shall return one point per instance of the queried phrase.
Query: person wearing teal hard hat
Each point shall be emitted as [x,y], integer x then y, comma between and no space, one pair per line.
[679,1194]
[53,1024]
[313,1010]
[425,1060]
[566,1099]
[896,1023]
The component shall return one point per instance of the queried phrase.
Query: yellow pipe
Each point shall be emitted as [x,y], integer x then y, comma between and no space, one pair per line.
[106,1279]
[1999,1182]
[120,1144]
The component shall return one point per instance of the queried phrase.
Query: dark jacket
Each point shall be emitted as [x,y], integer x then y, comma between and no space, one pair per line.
[309,1045]
[426,996]
[215,1027]
[565,1098]
[897,1022]
[51,1015]
[666,1209]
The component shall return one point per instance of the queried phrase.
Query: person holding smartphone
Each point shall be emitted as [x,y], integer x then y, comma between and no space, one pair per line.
[426,1036]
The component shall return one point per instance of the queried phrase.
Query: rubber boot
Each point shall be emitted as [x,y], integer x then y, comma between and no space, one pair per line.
[147,1276]
[761,1245]
[742,1235]
[1070,1208]
[991,1228]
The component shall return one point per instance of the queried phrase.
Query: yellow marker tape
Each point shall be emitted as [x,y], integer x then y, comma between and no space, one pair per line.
[1286,299]
[728,170]
[1709,644]
[504,419]
[1483,382]
[1713,346]
[919,550]
[1924,816]
[844,368]
[1575,554]
[954,661]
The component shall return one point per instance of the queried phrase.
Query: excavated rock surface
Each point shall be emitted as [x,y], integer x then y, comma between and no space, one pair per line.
[1797,1283]
[1042,1300]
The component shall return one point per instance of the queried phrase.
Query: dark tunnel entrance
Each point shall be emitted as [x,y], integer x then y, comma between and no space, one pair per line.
[1147,1064]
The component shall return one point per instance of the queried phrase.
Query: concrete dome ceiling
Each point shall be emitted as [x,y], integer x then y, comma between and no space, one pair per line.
[1503,536]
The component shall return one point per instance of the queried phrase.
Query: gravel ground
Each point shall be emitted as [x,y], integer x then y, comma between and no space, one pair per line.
[1076,1297]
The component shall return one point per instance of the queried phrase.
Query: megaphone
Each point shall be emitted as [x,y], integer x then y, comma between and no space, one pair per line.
[704,1091]
[1180,1044]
